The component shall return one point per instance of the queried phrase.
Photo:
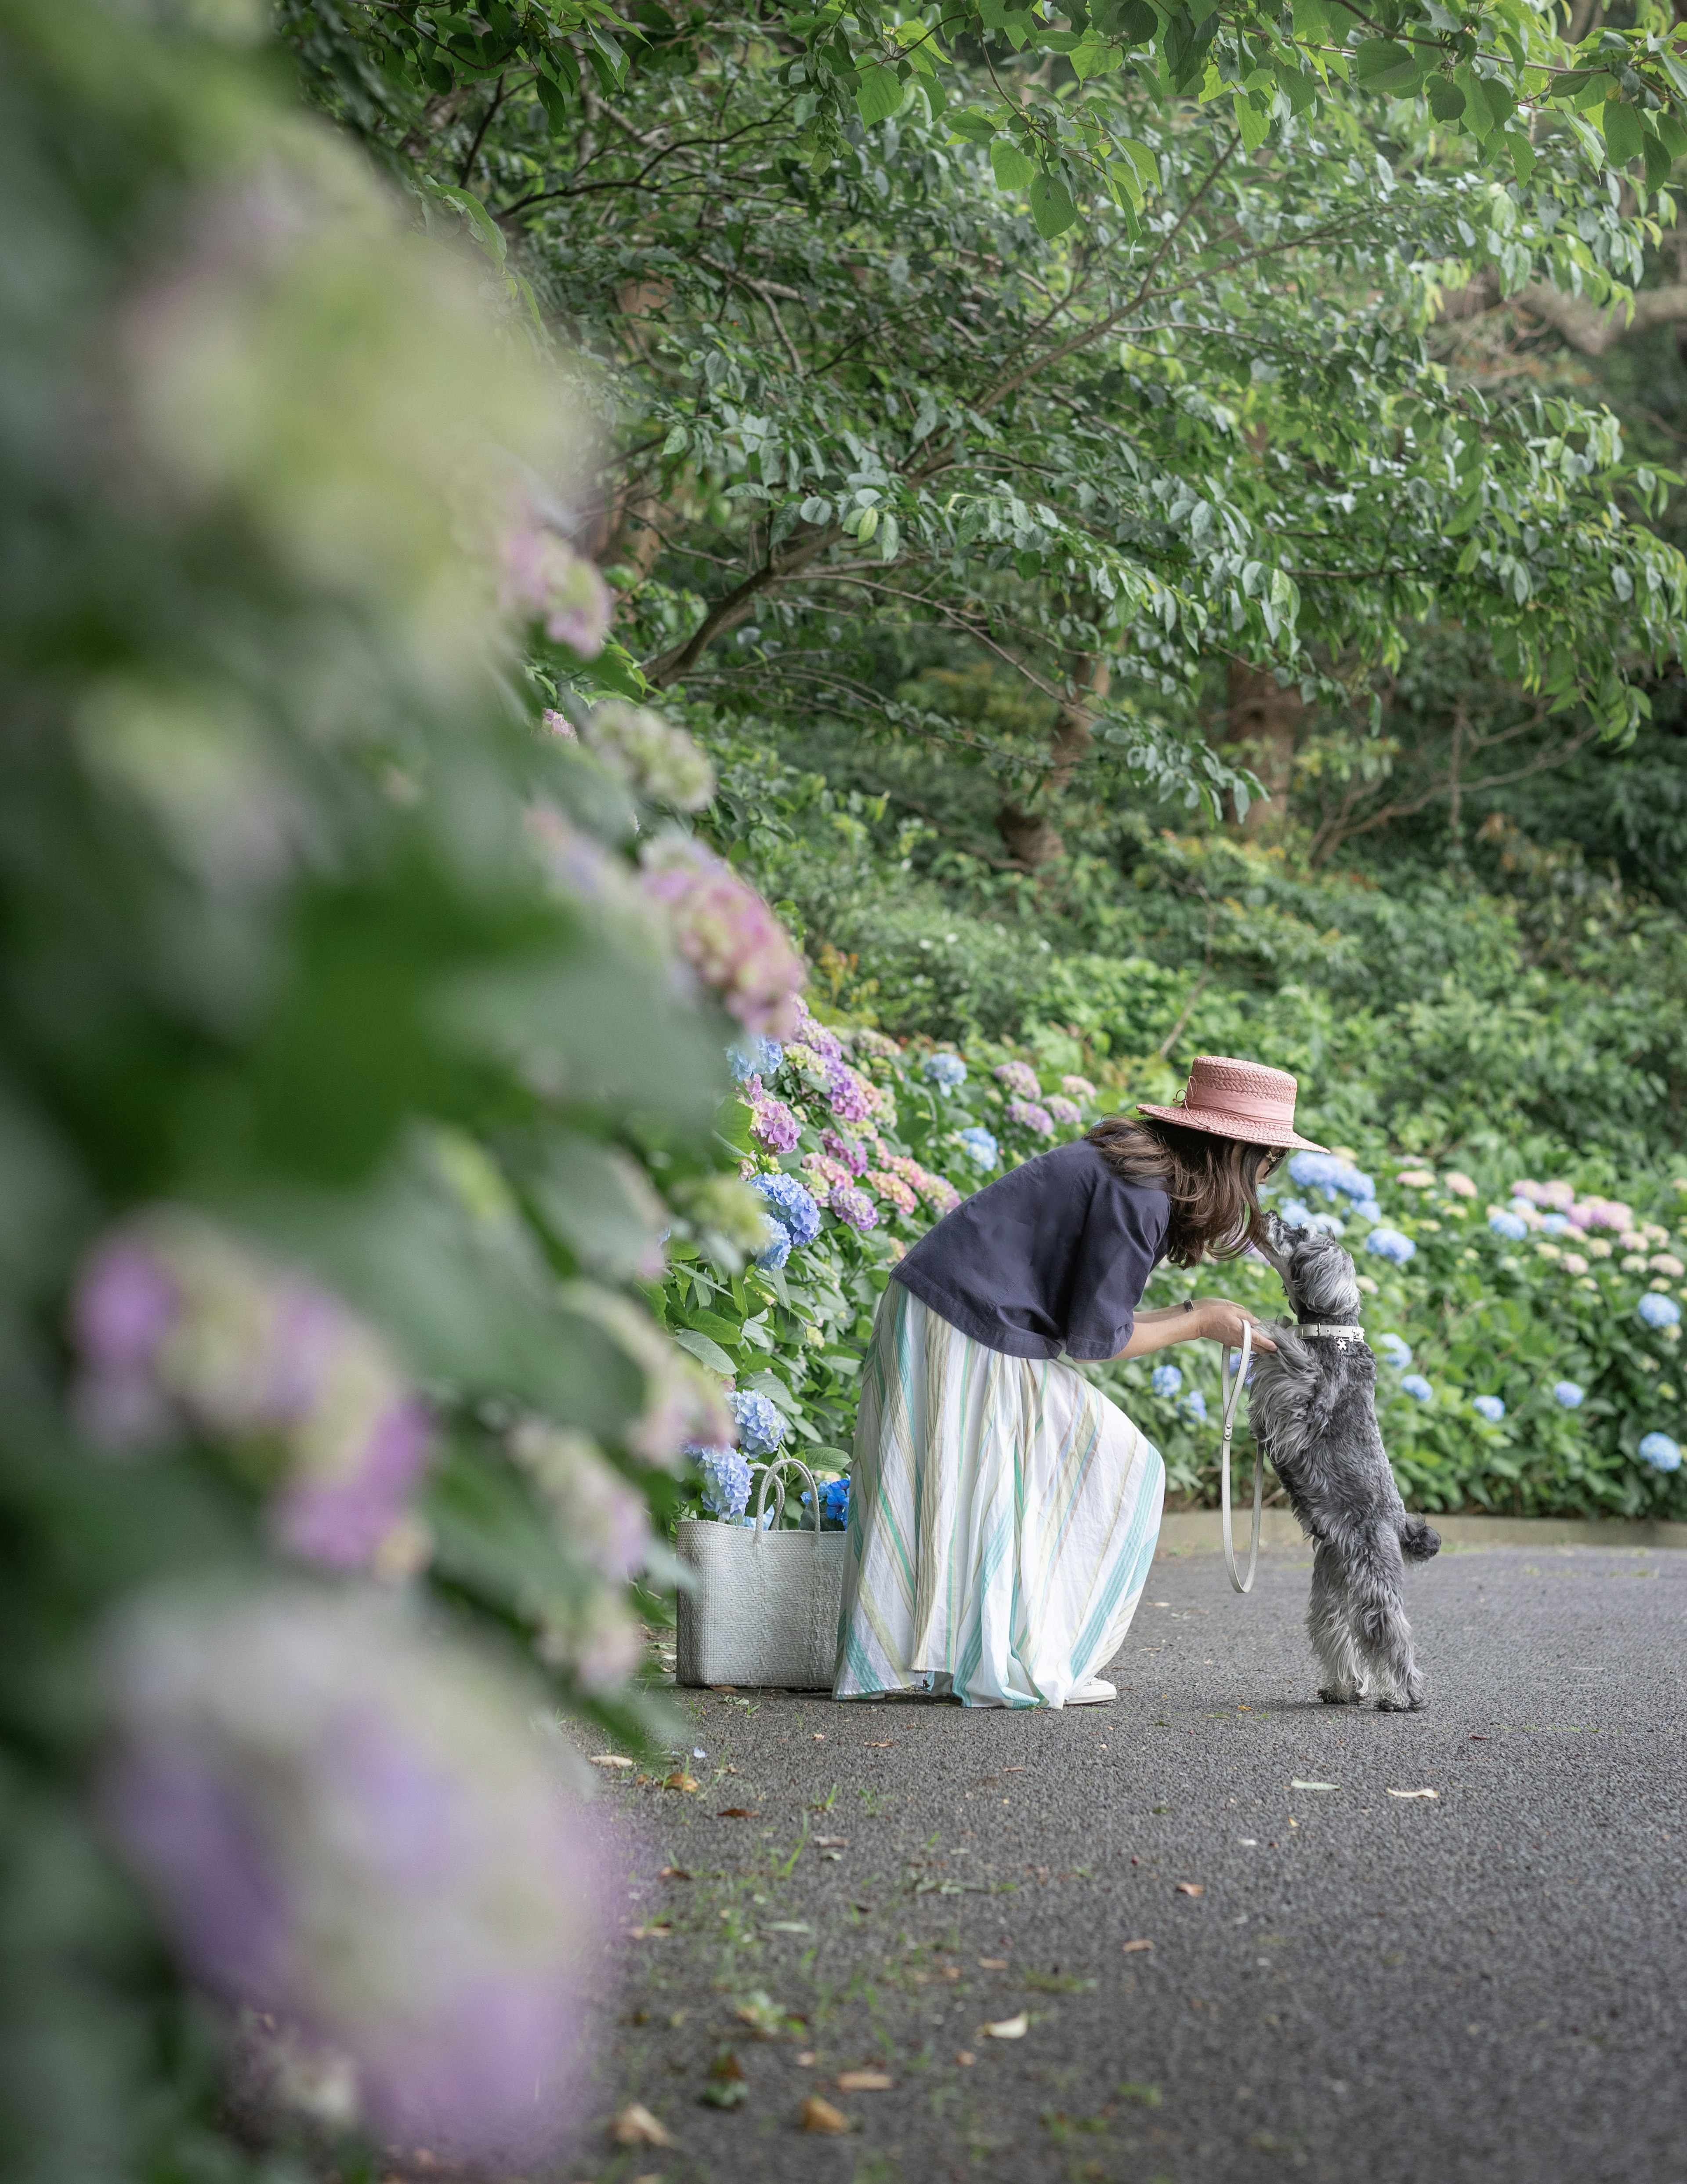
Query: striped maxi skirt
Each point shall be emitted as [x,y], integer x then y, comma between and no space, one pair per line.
[1003,1515]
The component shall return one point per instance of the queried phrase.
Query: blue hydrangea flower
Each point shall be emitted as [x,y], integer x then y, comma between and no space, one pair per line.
[754,1056]
[1659,1450]
[1193,1407]
[1568,1394]
[790,1206]
[1390,1243]
[1396,1349]
[948,1070]
[834,1502]
[725,1481]
[1324,1172]
[1512,1226]
[777,1253]
[1660,1311]
[1366,1209]
[981,1146]
[1296,1215]
[1555,1225]
[760,1427]
[1414,1385]
[1165,1379]
[1489,1407]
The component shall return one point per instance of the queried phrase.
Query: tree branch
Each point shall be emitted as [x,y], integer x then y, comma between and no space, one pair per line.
[1592,328]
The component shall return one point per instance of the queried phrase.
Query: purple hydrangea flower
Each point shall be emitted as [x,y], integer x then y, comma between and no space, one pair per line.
[1660,1452]
[771,1123]
[348,1825]
[849,1098]
[848,1152]
[179,1326]
[853,1207]
[1657,1310]
[760,1426]
[1077,1088]
[1029,1115]
[1064,1112]
[1165,1379]
[727,933]
[1490,1407]
[1019,1079]
[814,1035]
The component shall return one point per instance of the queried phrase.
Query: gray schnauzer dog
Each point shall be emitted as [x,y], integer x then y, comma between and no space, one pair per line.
[1313,1404]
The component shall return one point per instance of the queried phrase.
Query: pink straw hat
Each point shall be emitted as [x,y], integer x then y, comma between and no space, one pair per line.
[1241,1100]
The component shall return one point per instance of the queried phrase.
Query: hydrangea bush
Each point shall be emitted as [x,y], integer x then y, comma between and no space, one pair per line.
[1523,1367]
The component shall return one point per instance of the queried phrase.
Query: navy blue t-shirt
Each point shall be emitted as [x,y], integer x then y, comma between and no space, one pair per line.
[1054,1256]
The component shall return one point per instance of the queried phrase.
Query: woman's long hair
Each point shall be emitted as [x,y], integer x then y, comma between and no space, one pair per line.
[1213,1183]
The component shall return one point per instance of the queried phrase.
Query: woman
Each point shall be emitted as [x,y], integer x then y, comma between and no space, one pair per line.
[1003,1514]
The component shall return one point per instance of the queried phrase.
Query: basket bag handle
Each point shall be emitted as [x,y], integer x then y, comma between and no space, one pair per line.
[767,1470]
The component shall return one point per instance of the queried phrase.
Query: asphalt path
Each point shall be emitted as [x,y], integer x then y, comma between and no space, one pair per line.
[1342,1982]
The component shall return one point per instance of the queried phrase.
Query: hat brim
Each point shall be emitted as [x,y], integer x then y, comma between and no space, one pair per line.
[1217,1124]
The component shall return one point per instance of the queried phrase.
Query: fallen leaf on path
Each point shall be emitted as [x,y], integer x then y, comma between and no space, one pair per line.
[636,2126]
[739,1813]
[884,1747]
[727,2066]
[819,1735]
[1480,1737]
[1295,1783]
[1414,1793]
[679,1779]
[831,1843]
[729,1689]
[966,2058]
[993,1964]
[816,2115]
[1188,1888]
[807,2059]
[609,1759]
[660,1929]
[788,1926]
[1145,1943]
[866,2081]
[1010,2028]
[673,1873]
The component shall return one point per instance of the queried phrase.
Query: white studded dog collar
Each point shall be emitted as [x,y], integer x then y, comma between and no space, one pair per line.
[1338,1334]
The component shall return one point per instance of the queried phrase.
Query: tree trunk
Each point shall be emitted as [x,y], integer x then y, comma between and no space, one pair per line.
[1261,723]
[1030,835]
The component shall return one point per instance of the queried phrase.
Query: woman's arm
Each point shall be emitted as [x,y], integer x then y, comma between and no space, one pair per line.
[1216,1316]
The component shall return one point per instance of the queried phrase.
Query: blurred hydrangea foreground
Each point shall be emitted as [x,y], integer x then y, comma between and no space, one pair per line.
[351,1826]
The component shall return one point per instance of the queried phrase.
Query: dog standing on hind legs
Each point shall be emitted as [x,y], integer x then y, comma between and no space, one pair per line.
[1313,1404]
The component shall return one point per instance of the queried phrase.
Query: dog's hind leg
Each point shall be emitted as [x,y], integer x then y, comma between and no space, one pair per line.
[1381,1632]
[1330,1631]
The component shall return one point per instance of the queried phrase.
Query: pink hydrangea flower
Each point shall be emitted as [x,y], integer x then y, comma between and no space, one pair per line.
[771,1123]
[1028,1115]
[1460,1185]
[560,726]
[1019,1078]
[892,1187]
[1077,1088]
[543,579]
[1666,1262]
[1064,1112]
[829,1173]
[727,933]
[1574,1263]
[850,1153]
[1603,1213]
[1416,1178]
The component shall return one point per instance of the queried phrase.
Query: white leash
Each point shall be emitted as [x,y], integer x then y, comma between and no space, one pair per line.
[1233,1397]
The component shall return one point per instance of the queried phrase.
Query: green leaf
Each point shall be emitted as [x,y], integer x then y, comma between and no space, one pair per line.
[1051,206]
[1658,161]
[1132,22]
[977,128]
[1446,100]
[1671,134]
[1255,126]
[705,1351]
[1012,168]
[1624,137]
[1312,22]
[1383,65]
[879,93]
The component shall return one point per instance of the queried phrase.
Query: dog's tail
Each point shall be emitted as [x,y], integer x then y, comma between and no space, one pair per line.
[1418,1539]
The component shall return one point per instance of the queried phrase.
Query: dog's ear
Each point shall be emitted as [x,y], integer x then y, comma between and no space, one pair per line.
[1418,1539]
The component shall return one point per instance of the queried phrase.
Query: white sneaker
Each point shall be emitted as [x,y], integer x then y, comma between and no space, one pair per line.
[1093,1693]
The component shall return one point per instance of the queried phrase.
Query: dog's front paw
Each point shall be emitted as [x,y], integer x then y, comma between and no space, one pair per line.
[1413,1704]
[1331,1696]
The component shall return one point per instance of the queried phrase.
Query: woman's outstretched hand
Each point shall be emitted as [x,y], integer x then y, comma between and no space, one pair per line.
[1223,1321]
